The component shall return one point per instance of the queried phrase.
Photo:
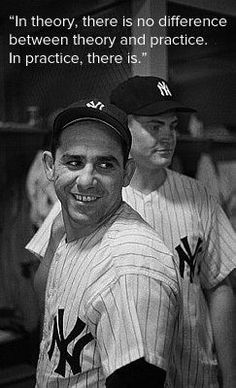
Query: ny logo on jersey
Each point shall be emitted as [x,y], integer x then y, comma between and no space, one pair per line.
[62,344]
[99,105]
[164,90]
[186,256]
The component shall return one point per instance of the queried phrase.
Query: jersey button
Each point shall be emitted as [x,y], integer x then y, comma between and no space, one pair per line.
[56,257]
[50,292]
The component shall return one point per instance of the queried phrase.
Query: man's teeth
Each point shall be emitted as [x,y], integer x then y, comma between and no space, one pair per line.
[85,198]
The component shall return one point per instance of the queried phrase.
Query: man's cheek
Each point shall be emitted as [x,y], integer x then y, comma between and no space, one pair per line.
[63,175]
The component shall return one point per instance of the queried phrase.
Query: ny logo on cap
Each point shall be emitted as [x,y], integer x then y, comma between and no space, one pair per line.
[94,105]
[165,91]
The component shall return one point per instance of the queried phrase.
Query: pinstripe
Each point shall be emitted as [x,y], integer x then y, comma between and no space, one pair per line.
[190,347]
[155,274]
[42,238]
[131,317]
[96,281]
[102,334]
[161,321]
[121,350]
[137,290]
[175,188]
[186,199]
[109,318]
[77,276]
[165,339]
[148,307]
[196,218]
[158,314]
[126,337]
[199,216]
[168,215]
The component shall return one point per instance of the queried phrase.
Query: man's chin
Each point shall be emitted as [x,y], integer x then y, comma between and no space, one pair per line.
[161,163]
[78,214]
[81,215]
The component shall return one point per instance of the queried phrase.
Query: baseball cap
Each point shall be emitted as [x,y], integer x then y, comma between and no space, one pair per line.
[95,109]
[146,96]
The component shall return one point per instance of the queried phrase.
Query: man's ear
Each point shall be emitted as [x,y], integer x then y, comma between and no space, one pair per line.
[129,171]
[48,163]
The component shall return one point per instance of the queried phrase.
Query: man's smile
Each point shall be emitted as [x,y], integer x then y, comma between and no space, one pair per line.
[85,198]
[168,150]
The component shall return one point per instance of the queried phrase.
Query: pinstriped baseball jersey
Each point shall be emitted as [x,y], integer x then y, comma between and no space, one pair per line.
[195,229]
[111,298]
[39,242]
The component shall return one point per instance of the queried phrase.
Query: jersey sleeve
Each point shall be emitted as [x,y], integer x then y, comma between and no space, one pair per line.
[39,242]
[133,318]
[219,257]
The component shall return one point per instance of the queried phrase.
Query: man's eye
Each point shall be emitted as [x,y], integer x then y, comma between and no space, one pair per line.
[105,165]
[74,163]
[154,128]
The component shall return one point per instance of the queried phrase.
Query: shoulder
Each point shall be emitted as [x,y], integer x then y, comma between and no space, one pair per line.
[39,242]
[189,188]
[130,229]
[131,246]
[184,180]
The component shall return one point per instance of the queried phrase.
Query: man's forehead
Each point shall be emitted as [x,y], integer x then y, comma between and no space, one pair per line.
[83,143]
[166,116]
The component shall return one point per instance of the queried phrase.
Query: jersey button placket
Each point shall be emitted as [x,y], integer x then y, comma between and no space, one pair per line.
[149,212]
[52,280]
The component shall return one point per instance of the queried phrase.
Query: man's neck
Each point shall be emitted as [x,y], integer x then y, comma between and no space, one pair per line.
[147,181]
[72,234]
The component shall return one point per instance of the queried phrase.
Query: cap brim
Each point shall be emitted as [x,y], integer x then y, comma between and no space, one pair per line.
[75,114]
[162,107]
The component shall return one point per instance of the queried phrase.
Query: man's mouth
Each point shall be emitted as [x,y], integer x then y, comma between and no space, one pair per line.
[85,198]
[164,150]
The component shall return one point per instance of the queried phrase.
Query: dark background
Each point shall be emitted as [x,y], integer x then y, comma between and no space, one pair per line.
[202,76]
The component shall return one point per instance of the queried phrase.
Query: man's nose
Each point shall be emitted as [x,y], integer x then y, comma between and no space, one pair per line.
[86,177]
[166,131]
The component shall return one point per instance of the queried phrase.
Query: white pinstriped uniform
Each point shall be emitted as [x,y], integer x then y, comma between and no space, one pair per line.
[182,209]
[111,298]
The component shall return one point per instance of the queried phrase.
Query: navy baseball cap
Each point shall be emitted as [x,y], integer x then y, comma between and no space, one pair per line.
[95,109]
[146,96]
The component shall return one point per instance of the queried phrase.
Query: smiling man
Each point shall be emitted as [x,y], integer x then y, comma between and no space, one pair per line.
[192,225]
[88,171]
[108,290]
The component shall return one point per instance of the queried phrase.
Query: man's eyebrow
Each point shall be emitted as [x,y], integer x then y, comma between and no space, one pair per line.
[67,155]
[108,158]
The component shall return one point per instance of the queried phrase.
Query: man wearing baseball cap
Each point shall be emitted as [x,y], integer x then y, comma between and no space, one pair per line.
[192,225]
[108,291]
[194,228]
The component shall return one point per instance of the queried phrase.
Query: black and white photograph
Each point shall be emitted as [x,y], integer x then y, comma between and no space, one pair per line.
[118,194]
